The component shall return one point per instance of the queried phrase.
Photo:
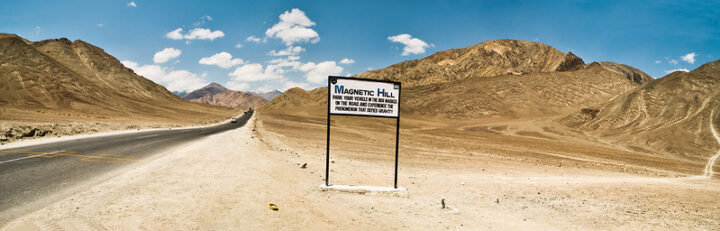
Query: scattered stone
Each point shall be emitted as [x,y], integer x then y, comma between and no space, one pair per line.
[442,202]
[332,160]
[497,201]
[304,165]
[273,207]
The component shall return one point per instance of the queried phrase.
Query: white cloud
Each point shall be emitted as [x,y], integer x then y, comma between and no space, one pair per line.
[129,64]
[290,84]
[197,33]
[132,4]
[173,80]
[238,45]
[291,50]
[318,73]
[202,33]
[347,61]
[293,58]
[280,64]
[689,58]
[293,28]
[252,39]
[251,72]
[674,70]
[658,61]
[238,86]
[673,61]
[166,54]
[203,20]
[175,35]
[222,59]
[100,25]
[412,45]
[265,88]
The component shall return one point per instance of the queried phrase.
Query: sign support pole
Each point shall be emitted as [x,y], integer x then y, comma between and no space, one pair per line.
[397,145]
[327,143]
[397,135]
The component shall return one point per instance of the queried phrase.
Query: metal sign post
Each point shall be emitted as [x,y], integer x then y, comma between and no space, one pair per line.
[363,97]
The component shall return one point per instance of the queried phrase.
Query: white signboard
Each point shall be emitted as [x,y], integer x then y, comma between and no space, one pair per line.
[363,97]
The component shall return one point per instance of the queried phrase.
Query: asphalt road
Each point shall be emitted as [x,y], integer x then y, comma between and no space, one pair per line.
[32,173]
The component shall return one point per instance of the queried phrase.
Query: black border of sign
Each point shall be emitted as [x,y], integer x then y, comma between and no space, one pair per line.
[368,80]
[397,126]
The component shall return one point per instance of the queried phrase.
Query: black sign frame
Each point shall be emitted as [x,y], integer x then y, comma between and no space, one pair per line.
[397,125]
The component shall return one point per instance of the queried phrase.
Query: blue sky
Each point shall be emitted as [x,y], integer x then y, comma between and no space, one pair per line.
[299,42]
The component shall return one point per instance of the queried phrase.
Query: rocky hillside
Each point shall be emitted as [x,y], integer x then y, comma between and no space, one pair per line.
[491,58]
[216,94]
[671,115]
[210,89]
[62,80]
[501,78]
[268,95]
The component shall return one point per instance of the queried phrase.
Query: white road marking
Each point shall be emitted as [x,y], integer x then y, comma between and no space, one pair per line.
[711,162]
[148,136]
[27,157]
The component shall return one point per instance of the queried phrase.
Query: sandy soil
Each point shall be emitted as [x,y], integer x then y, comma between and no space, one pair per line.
[226,181]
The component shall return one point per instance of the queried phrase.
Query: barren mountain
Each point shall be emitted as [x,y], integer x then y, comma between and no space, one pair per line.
[631,73]
[267,95]
[216,94]
[672,115]
[501,78]
[210,89]
[62,81]
[490,58]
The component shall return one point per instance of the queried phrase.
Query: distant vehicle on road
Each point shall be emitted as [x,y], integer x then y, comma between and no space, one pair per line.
[233,120]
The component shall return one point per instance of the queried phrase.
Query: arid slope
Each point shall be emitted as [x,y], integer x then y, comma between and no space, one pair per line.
[671,115]
[58,81]
[216,94]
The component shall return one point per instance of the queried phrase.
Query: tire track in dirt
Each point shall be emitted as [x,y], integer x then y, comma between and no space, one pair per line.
[711,162]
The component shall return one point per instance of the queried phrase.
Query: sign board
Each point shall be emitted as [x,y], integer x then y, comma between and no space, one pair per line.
[350,96]
[362,97]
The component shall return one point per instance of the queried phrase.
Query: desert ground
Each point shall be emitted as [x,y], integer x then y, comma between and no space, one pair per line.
[490,174]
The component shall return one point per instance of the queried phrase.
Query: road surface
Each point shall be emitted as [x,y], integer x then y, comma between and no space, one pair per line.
[41,172]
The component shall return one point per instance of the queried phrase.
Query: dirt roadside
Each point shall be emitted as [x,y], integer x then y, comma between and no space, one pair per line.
[226,181]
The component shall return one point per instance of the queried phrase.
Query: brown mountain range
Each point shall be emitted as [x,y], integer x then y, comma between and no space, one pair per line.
[500,78]
[216,94]
[663,123]
[58,81]
[670,115]
[491,58]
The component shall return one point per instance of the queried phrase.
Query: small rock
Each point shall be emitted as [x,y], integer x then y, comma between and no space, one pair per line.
[442,202]
[332,160]
[304,165]
[497,201]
